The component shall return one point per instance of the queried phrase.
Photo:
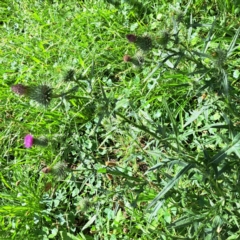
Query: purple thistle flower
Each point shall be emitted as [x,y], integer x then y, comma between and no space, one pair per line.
[28,141]
[20,89]
[40,93]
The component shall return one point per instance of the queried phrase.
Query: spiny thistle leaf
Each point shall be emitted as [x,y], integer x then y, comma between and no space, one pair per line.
[170,184]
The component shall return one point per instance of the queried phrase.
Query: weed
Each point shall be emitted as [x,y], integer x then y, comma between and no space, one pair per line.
[144,146]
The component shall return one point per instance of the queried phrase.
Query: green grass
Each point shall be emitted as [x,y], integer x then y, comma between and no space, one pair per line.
[146,148]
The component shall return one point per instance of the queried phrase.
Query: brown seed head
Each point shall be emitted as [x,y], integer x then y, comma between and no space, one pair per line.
[126,58]
[20,89]
[46,170]
[131,37]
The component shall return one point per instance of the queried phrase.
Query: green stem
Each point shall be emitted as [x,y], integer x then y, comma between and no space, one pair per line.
[74,89]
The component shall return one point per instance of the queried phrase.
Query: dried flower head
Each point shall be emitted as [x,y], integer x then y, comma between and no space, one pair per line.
[28,141]
[47,186]
[131,38]
[20,89]
[46,170]
[126,58]
[137,61]
[18,182]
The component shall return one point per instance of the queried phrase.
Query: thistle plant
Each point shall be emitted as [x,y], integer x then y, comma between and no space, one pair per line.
[59,170]
[69,75]
[142,42]
[29,141]
[219,58]
[137,61]
[134,61]
[83,205]
[20,89]
[43,94]
[164,38]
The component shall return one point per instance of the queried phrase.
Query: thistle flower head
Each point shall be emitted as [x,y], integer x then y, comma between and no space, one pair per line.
[20,89]
[126,58]
[42,94]
[59,170]
[219,57]
[28,141]
[136,61]
[144,43]
[69,75]
[83,204]
[131,37]
[164,38]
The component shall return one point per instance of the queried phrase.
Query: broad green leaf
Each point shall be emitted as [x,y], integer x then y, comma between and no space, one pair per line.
[102,170]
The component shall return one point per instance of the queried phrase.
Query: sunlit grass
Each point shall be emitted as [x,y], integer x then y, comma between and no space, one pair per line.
[141,121]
